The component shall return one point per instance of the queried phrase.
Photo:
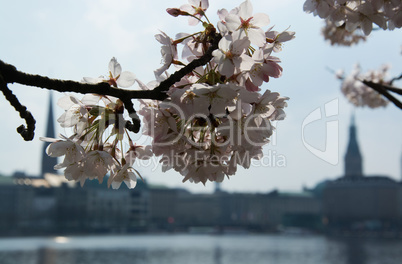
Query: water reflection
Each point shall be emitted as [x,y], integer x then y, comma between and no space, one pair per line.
[197,249]
[355,251]
[217,255]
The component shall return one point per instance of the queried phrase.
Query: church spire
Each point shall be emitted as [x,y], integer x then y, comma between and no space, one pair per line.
[47,162]
[353,158]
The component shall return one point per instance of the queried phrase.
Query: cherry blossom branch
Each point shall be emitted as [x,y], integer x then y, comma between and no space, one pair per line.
[26,132]
[10,74]
[392,89]
[166,84]
[206,101]
[382,89]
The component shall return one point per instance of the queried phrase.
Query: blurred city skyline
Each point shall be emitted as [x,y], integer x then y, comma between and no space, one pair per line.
[351,204]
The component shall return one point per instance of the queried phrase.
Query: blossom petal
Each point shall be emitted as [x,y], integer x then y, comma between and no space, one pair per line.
[257,36]
[116,184]
[92,80]
[232,22]
[126,79]
[66,102]
[114,67]
[130,183]
[260,20]
[90,99]
[204,4]
[246,9]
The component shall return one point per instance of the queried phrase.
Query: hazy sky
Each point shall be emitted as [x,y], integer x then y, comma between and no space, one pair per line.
[73,39]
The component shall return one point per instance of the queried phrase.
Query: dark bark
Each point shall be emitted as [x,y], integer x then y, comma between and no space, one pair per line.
[10,74]
[383,89]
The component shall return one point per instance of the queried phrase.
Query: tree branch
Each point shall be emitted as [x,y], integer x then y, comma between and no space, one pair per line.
[10,74]
[28,132]
[392,88]
[382,89]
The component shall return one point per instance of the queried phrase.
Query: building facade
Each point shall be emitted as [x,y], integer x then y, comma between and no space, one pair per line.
[359,202]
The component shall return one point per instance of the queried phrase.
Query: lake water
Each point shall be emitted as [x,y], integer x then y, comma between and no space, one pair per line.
[197,249]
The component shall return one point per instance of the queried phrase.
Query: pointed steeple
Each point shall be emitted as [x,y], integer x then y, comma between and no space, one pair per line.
[353,158]
[48,162]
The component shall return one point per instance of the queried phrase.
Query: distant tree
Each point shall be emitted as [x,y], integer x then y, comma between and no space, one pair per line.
[349,22]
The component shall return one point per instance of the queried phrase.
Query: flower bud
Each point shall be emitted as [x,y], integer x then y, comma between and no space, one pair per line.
[176,12]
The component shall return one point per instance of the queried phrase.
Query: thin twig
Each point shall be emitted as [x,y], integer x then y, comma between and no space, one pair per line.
[395,79]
